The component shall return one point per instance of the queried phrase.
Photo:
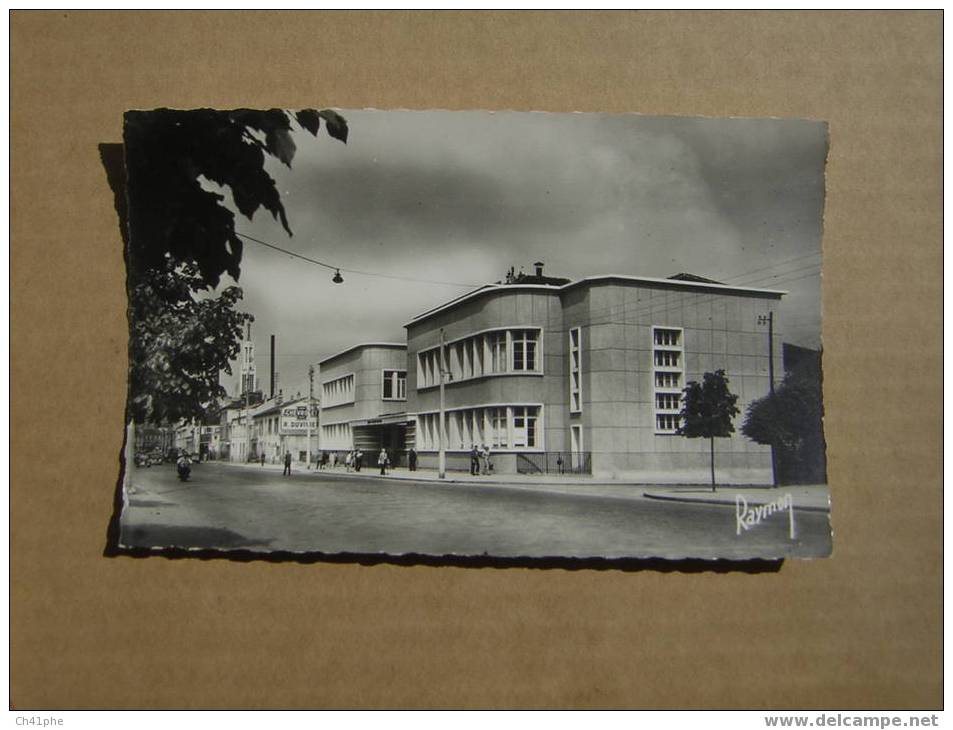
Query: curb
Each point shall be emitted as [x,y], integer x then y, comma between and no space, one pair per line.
[723,502]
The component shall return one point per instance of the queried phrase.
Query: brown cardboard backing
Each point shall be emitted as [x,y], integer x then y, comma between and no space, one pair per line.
[861,629]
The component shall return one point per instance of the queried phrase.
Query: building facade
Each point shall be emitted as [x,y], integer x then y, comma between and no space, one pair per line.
[363,399]
[280,427]
[587,375]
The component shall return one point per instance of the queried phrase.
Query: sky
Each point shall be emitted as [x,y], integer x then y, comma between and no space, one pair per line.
[436,203]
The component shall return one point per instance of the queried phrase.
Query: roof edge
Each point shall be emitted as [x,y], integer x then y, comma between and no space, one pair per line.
[401,345]
[674,283]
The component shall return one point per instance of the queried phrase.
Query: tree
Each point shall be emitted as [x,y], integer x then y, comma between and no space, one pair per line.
[791,420]
[180,241]
[708,409]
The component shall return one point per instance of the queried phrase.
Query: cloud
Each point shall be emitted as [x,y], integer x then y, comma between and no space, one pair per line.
[461,196]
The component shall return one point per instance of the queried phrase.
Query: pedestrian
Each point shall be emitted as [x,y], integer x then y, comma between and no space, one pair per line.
[262,458]
[412,459]
[349,461]
[474,461]
[485,459]
[358,459]
[559,463]
[287,471]
[383,461]
[334,459]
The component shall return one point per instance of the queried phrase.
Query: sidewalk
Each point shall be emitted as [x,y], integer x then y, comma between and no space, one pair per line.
[811,498]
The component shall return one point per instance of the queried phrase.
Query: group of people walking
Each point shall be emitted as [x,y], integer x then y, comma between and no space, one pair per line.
[480,460]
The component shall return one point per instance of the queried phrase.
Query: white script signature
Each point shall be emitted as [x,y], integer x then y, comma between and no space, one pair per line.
[747,517]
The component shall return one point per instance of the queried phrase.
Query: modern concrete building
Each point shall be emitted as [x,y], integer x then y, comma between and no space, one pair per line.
[364,400]
[585,376]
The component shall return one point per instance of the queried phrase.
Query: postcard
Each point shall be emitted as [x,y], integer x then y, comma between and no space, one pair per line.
[499,334]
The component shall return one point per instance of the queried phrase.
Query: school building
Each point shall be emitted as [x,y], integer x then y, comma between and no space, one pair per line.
[563,376]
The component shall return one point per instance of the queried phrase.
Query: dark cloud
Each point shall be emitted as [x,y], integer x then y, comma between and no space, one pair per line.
[461,196]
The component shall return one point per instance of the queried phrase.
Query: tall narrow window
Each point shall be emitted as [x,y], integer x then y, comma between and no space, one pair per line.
[498,352]
[667,356]
[575,370]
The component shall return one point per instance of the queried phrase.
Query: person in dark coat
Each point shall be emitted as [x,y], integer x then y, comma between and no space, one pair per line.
[474,461]
[287,471]
[412,459]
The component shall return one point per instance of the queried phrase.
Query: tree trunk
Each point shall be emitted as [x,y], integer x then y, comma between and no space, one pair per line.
[711,440]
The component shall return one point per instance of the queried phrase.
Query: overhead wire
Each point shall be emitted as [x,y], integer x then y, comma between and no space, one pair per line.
[601,315]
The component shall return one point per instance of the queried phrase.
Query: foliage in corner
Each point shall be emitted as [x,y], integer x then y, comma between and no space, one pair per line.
[791,420]
[181,242]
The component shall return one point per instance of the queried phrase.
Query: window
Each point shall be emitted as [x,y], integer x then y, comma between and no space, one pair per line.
[668,380]
[524,349]
[666,422]
[667,401]
[524,427]
[498,352]
[394,386]
[494,352]
[666,359]
[667,338]
[667,353]
[336,436]
[338,391]
[575,370]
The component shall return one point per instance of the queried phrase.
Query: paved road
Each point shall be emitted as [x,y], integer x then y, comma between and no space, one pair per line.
[227,506]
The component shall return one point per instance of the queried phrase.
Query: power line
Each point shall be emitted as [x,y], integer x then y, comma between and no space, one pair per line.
[355,271]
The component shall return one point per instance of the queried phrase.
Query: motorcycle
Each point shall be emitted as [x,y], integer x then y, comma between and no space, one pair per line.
[184,471]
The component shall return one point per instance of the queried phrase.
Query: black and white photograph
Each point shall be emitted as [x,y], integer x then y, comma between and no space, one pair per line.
[491,334]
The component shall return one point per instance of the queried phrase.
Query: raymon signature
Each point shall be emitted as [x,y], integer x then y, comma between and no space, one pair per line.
[747,516]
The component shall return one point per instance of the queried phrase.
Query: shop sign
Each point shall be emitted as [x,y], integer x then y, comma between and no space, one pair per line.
[294,420]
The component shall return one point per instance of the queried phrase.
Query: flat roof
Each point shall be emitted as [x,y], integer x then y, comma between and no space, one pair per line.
[401,345]
[672,283]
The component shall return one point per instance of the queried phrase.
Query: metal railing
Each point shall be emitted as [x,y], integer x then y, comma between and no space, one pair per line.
[555,462]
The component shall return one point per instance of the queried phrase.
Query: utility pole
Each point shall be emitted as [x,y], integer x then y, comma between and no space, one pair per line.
[310,401]
[769,320]
[442,458]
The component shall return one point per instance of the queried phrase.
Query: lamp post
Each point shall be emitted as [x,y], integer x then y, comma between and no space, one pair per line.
[769,320]
[442,447]
[310,401]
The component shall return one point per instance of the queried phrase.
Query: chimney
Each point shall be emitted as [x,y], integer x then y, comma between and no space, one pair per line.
[539,268]
[272,394]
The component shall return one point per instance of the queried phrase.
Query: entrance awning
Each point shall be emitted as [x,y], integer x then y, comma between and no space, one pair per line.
[394,419]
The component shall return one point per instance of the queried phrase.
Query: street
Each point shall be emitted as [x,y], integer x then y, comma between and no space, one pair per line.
[227,506]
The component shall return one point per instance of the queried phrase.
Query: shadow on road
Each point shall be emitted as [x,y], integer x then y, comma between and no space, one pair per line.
[175,536]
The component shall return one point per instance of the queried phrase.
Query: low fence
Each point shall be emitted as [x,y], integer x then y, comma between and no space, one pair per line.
[555,462]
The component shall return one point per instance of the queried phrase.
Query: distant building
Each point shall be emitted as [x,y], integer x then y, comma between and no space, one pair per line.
[280,427]
[151,439]
[364,399]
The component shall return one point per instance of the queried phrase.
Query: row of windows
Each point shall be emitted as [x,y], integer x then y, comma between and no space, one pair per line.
[499,427]
[336,436]
[489,353]
[338,391]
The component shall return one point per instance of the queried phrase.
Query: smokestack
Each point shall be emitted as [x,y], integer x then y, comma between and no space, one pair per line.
[273,384]
[539,268]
